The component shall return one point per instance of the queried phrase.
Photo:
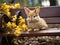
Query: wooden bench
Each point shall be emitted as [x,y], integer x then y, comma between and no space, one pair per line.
[52,17]
[50,14]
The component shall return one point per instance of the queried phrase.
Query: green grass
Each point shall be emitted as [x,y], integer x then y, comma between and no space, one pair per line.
[38,4]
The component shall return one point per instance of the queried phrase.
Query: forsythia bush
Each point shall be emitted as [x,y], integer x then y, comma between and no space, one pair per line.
[6,8]
[17,28]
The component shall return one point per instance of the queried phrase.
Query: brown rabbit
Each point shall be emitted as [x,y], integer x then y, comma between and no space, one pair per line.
[33,19]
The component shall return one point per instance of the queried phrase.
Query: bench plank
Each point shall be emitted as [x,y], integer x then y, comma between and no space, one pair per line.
[52,20]
[48,32]
[53,11]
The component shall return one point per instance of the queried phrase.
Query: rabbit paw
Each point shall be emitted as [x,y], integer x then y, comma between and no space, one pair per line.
[43,28]
[36,29]
[30,29]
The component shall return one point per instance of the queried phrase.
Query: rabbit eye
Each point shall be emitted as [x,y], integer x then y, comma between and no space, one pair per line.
[35,16]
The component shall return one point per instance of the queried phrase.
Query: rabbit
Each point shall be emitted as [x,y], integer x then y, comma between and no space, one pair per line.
[34,21]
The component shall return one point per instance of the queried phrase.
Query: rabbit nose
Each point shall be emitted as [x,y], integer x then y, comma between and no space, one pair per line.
[31,18]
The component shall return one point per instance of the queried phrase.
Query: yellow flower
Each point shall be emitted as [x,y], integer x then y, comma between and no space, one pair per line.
[24,26]
[7,10]
[20,17]
[8,6]
[12,7]
[21,21]
[9,24]
[3,4]
[17,33]
[8,32]
[14,18]
[8,14]
[18,28]
[17,5]
[13,25]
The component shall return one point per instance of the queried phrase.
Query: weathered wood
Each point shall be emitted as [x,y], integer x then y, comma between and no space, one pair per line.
[52,20]
[53,11]
[47,32]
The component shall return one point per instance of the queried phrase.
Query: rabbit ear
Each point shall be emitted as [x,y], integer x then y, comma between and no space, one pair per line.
[27,10]
[37,10]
